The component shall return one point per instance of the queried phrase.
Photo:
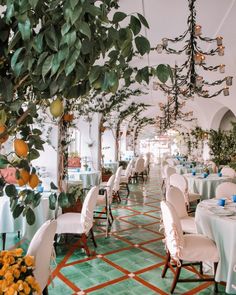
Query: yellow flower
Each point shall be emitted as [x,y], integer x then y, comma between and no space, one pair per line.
[16,273]
[11,291]
[20,285]
[27,289]
[29,260]
[18,252]
[9,277]
[23,268]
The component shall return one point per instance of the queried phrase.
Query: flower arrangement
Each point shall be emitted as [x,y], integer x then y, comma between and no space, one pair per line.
[16,273]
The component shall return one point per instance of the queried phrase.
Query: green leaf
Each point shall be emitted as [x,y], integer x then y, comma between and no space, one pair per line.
[47,65]
[30,216]
[143,20]
[52,201]
[73,3]
[118,17]
[38,43]
[6,89]
[142,44]
[51,38]
[3,161]
[15,57]
[63,200]
[33,3]
[135,25]
[17,210]
[163,72]
[25,29]
[94,73]
[85,29]
[65,29]
[11,191]
[53,186]
[33,154]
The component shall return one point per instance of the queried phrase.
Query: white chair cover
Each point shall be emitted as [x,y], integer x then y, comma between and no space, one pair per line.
[228,171]
[79,223]
[170,162]
[175,196]
[116,186]
[225,190]
[168,172]
[41,247]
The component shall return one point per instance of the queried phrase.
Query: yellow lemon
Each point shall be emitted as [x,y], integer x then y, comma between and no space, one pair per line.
[56,108]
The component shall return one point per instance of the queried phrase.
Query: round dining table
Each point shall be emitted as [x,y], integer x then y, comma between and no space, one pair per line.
[206,187]
[184,169]
[8,224]
[219,224]
[112,165]
[88,178]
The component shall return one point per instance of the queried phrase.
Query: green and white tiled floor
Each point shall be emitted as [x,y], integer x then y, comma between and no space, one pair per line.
[130,260]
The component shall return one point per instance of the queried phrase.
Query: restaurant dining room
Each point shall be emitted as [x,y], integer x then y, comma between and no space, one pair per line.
[117,147]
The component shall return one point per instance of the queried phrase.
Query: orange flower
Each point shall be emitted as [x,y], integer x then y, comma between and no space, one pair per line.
[27,289]
[23,268]
[16,273]
[9,277]
[29,260]
[11,291]
[18,252]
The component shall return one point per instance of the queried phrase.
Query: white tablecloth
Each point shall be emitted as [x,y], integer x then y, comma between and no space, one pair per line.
[9,224]
[89,178]
[212,222]
[206,187]
[180,169]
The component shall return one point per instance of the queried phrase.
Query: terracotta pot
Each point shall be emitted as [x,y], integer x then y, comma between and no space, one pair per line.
[105,177]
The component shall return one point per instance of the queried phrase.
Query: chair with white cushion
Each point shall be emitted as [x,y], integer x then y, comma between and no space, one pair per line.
[116,186]
[80,223]
[192,248]
[228,171]
[168,172]
[105,201]
[225,190]
[138,169]
[181,182]
[125,178]
[170,162]
[176,198]
[41,247]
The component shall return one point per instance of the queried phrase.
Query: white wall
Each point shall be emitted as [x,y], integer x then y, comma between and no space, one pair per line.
[108,145]
[90,138]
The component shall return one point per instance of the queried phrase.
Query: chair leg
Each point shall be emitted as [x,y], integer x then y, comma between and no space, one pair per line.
[45,291]
[118,197]
[201,269]
[84,241]
[216,285]
[18,234]
[166,265]
[127,187]
[93,238]
[4,235]
[176,278]
[110,212]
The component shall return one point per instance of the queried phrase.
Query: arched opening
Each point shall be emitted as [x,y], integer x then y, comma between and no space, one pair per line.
[227,120]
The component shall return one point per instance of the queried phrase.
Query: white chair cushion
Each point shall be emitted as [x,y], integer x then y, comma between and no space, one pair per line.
[101,200]
[188,225]
[124,179]
[70,223]
[198,248]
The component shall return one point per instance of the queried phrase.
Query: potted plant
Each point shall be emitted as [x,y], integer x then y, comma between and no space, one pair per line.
[106,174]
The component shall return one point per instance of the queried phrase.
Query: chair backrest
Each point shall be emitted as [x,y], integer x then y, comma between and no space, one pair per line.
[88,208]
[176,197]
[128,169]
[225,190]
[170,162]
[174,238]
[168,171]
[116,186]
[41,247]
[181,183]
[228,171]
[139,165]
[109,188]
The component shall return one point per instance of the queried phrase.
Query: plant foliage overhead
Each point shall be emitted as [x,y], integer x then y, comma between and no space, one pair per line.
[62,49]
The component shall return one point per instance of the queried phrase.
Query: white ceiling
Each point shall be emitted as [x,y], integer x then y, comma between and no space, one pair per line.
[168,18]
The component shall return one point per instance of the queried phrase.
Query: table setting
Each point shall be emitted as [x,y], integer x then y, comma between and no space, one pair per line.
[88,177]
[216,219]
